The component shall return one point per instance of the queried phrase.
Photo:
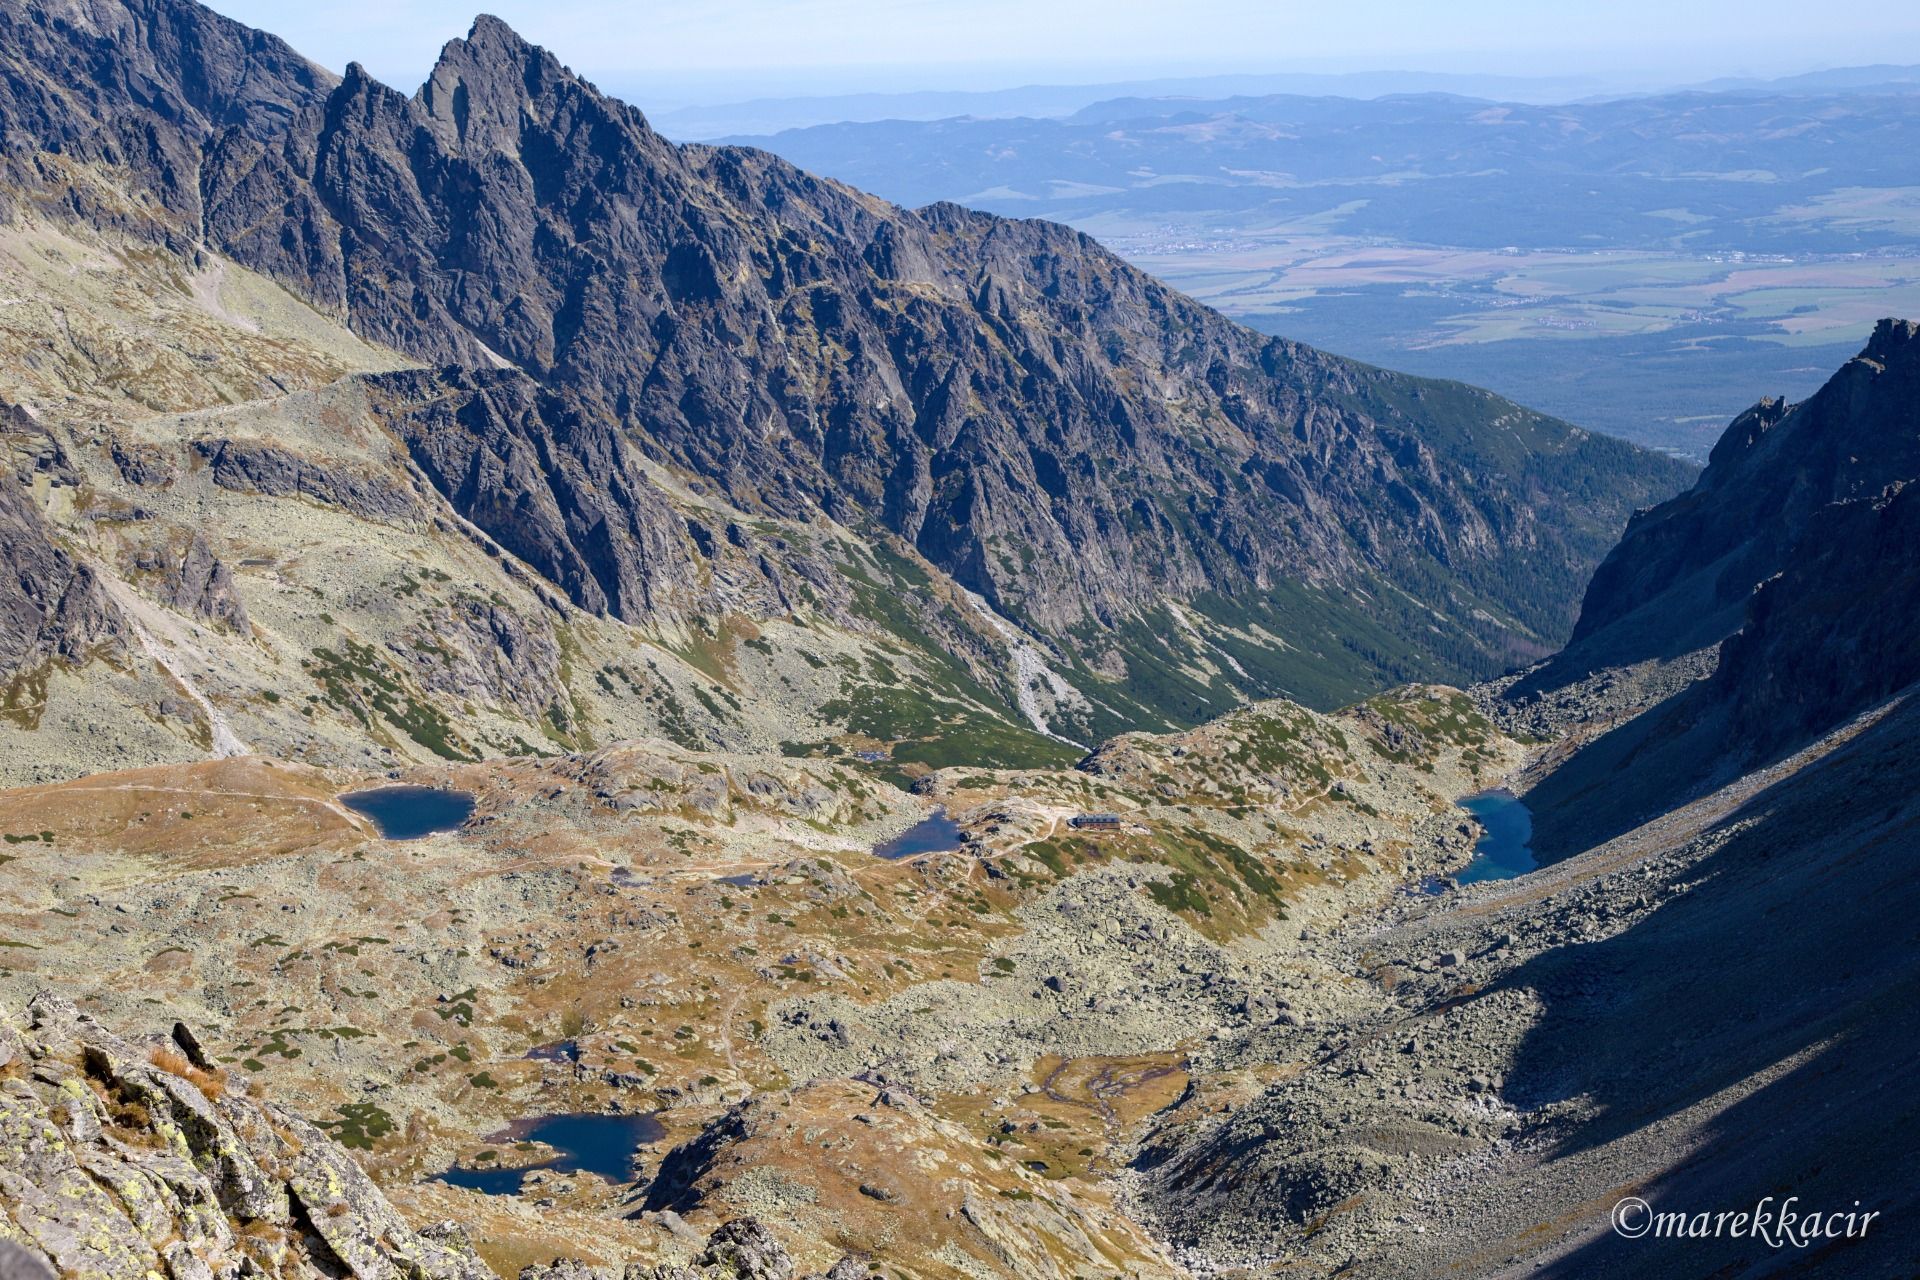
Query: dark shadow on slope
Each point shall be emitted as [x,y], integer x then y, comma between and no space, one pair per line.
[1646,635]
[1682,574]
[1655,762]
[1827,637]
[1798,938]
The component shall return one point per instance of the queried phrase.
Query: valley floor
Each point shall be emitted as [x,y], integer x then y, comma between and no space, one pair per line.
[1037,1053]
[941,1060]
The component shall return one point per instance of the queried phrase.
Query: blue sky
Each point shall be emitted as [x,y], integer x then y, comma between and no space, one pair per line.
[720,50]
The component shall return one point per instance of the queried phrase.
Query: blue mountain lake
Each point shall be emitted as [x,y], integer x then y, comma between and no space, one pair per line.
[932,834]
[602,1145]
[408,813]
[1503,852]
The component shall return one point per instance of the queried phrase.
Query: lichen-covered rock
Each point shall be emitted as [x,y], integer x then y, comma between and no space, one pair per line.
[122,1159]
[253,466]
[199,583]
[740,1249]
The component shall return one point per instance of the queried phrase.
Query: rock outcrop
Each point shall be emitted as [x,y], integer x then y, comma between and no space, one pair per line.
[1795,553]
[558,488]
[199,583]
[123,1159]
[253,466]
[1831,634]
[53,607]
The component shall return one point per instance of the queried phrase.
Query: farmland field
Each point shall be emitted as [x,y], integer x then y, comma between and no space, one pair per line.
[1658,346]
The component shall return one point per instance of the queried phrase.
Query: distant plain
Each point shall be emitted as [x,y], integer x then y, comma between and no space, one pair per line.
[1661,347]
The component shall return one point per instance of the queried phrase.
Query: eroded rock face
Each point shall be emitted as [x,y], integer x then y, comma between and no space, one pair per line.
[189,70]
[558,489]
[1682,574]
[1796,554]
[123,1159]
[1833,633]
[52,606]
[199,583]
[253,466]
[474,648]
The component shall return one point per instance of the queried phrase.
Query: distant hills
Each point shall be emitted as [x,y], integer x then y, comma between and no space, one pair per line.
[1731,171]
[1051,101]
[704,122]
[1877,78]
[1640,264]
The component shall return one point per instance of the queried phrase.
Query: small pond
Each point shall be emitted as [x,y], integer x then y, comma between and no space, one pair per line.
[408,813]
[583,1143]
[932,834]
[1503,851]
[558,1051]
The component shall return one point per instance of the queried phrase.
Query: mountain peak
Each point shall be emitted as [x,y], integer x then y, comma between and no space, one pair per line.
[1034,418]
[493,35]
[1681,577]
[487,26]
[490,42]
[1892,338]
[479,90]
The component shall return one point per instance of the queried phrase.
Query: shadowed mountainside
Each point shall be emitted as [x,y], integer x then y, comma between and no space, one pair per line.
[1681,576]
[1802,534]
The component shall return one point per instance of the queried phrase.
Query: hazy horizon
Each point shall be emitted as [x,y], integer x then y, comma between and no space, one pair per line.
[738,50]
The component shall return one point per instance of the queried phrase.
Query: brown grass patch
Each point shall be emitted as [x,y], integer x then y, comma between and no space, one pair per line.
[210,1083]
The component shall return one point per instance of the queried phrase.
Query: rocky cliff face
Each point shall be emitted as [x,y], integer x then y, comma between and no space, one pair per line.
[1578,1033]
[1796,552]
[550,484]
[1830,634]
[1048,427]
[1800,535]
[1682,574]
[52,608]
[125,1159]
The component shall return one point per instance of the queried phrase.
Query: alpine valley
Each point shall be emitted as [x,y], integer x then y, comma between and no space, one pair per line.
[950,750]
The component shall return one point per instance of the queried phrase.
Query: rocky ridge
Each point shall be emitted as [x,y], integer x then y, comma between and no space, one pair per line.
[1248,1024]
[1003,402]
[1680,578]
[128,1159]
[1817,589]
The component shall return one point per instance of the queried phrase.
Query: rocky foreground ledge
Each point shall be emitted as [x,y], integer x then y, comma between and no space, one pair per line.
[128,1159]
